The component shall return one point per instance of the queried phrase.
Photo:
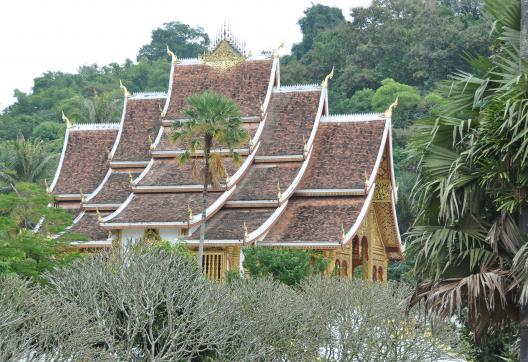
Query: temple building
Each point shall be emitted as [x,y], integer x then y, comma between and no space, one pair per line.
[308,179]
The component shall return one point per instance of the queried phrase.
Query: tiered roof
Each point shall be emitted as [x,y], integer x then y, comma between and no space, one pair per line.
[306,179]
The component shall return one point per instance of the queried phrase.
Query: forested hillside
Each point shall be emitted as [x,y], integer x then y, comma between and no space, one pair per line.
[394,48]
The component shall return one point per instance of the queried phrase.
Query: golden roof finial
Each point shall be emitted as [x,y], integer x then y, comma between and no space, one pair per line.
[125,90]
[83,199]
[305,146]
[99,217]
[46,185]
[151,143]
[367,182]
[109,153]
[330,75]
[343,233]
[276,51]
[173,56]
[130,178]
[279,193]
[189,212]
[246,232]
[66,120]
[388,112]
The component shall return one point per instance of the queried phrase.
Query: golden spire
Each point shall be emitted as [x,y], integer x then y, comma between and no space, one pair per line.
[388,112]
[130,178]
[109,153]
[330,75]
[276,51]
[173,56]
[367,182]
[66,120]
[99,217]
[151,144]
[246,233]
[125,90]
[279,193]
[83,199]
[189,212]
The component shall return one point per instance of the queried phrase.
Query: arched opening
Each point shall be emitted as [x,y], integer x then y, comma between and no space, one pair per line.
[364,247]
[380,274]
[374,273]
[355,246]
[344,269]
[337,269]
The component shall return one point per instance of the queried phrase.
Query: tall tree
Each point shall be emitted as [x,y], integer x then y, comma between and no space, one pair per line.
[213,122]
[472,189]
[185,41]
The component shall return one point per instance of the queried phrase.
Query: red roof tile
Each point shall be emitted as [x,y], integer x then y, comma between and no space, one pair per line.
[343,154]
[88,226]
[162,207]
[246,83]
[85,161]
[316,219]
[260,183]
[115,190]
[169,172]
[142,120]
[228,224]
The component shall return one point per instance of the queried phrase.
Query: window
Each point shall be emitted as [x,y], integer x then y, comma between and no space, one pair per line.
[374,273]
[213,265]
[364,246]
[380,274]
[355,246]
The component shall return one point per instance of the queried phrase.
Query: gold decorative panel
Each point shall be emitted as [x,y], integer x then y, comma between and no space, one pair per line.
[223,57]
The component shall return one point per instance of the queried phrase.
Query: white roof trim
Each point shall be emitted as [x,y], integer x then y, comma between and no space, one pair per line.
[127,164]
[61,161]
[353,117]
[101,206]
[279,158]
[198,153]
[119,133]
[244,167]
[115,213]
[147,95]
[169,91]
[330,192]
[362,214]
[251,203]
[267,224]
[391,160]
[176,188]
[303,244]
[100,186]
[297,88]
[379,157]
[94,127]
[274,75]
[144,172]
[92,244]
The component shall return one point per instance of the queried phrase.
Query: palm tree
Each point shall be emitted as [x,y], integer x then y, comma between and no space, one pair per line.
[26,161]
[471,196]
[213,121]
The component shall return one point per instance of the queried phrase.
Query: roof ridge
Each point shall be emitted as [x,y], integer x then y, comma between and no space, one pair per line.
[298,87]
[353,117]
[94,126]
[136,95]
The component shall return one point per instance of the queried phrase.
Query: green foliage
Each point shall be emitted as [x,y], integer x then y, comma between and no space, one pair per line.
[408,99]
[470,192]
[414,42]
[23,251]
[49,131]
[183,40]
[317,18]
[289,266]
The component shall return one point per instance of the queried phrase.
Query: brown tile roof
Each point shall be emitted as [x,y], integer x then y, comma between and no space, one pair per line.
[169,172]
[246,83]
[260,183]
[343,153]
[228,224]
[88,226]
[162,207]
[316,219]
[142,119]
[115,190]
[166,144]
[291,116]
[85,160]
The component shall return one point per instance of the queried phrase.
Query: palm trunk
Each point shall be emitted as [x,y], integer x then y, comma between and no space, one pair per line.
[523,218]
[205,195]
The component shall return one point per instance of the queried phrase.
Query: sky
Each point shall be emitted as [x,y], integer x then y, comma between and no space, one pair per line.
[60,35]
